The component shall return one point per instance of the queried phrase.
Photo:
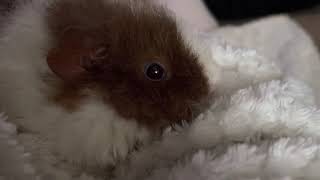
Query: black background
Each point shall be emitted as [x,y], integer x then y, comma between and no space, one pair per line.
[239,9]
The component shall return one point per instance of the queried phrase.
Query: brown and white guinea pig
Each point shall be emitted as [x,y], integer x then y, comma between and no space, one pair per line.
[91,79]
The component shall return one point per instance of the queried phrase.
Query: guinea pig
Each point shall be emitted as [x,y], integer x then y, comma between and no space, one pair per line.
[91,79]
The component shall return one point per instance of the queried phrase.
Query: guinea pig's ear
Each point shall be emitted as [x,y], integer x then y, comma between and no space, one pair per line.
[76,56]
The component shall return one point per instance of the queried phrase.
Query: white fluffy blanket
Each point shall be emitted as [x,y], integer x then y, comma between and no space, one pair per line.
[263,124]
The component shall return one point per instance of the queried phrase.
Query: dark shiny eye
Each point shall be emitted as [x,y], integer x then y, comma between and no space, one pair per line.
[155,72]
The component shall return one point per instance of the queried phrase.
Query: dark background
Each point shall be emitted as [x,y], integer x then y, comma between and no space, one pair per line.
[239,9]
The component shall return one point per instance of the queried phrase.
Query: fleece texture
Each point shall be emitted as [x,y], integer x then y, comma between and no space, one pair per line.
[263,124]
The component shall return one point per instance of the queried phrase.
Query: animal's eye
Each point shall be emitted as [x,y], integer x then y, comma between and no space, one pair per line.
[155,72]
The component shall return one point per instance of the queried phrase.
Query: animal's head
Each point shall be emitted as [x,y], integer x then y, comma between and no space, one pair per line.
[132,55]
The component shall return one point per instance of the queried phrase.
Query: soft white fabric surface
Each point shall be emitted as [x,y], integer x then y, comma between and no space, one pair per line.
[260,128]
[264,122]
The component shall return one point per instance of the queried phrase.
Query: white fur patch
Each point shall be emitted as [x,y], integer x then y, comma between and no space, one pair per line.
[14,160]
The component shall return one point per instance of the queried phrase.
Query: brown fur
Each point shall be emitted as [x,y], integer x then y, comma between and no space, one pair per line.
[132,36]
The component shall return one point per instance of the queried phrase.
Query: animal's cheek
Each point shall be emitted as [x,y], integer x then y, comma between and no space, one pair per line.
[94,132]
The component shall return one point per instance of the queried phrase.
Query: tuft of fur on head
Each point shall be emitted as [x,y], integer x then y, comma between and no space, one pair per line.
[131,36]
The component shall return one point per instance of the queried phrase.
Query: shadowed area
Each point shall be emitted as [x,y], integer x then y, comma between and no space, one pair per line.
[235,9]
